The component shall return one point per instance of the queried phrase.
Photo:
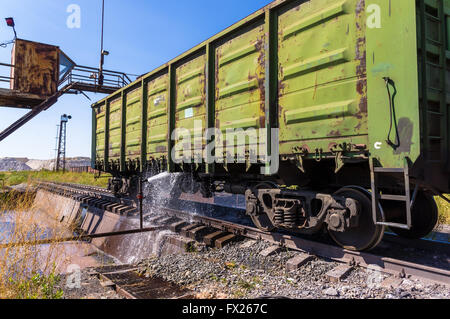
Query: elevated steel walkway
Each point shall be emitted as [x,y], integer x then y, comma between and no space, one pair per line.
[38,90]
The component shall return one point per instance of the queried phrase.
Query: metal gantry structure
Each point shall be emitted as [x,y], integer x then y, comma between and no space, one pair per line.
[40,74]
[61,154]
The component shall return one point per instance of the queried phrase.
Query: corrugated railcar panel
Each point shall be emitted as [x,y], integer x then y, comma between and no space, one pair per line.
[158,97]
[115,129]
[240,74]
[446,109]
[191,100]
[433,20]
[322,86]
[100,133]
[133,124]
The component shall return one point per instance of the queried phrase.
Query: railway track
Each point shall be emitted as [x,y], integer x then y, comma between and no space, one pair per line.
[88,188]
[218,232]
[85,189]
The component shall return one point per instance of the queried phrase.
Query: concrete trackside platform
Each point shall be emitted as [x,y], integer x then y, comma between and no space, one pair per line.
[128,248]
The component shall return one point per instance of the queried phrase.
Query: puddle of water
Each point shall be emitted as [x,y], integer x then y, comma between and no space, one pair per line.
[6,230]
[35,223]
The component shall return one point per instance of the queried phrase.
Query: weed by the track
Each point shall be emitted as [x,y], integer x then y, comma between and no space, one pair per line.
[29,271]
[444,210]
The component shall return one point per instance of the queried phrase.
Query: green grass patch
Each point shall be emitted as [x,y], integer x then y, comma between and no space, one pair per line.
[444,210]
[246,285]
[16,178]
[37,287]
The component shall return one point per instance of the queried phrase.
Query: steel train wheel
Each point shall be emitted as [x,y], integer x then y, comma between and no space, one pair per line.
[380,213]
[262,222]
[425,215]
[367,235]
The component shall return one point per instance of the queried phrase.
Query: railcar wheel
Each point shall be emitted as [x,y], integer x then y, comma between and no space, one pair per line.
[367,235]
[262,222]
[424,216]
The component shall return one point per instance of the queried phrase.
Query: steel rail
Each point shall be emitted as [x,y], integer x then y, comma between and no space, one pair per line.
[89,188]
[363,259]
[387,265]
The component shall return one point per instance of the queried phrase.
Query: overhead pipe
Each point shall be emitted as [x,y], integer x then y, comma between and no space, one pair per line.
[80,238]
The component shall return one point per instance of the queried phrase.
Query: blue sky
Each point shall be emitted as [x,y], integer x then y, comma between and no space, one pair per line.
[140,36]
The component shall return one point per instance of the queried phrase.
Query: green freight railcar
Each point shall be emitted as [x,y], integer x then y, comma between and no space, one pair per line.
[349,102]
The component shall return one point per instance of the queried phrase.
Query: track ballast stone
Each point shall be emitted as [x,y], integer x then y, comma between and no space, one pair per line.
[241,272]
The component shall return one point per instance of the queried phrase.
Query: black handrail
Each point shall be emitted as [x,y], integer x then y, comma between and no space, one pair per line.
[89,76]
[4,78]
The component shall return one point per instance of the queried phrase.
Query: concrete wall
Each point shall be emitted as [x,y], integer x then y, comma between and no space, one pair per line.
[60,208]
[126,248]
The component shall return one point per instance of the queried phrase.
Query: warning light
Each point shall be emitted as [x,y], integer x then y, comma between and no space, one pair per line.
[10,22]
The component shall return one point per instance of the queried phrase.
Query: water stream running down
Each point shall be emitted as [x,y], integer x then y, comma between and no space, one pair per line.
[157,193]
[161,191]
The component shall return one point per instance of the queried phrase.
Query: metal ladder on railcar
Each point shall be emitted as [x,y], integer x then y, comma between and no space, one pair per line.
[407,198]
[429,93]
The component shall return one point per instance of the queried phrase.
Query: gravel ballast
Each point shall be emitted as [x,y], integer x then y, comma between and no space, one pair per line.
[237,271]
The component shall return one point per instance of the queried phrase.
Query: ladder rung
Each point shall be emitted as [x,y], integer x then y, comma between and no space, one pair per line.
[435,89]
[435,113]
[399,198]
[431,17]
[395,225]
[434,42]
[435,137]
[437,66]
[388,170]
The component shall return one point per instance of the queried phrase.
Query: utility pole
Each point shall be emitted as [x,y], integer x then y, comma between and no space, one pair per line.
[103,53]
[61,156]
[56,147]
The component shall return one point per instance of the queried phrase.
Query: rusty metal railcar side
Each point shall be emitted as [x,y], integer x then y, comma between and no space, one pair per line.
[189,106]
[357,88]
[331,100]
[157,119]
[134,128]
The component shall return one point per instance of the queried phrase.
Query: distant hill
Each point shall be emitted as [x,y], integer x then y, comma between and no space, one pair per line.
[25,164]
[11,164]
